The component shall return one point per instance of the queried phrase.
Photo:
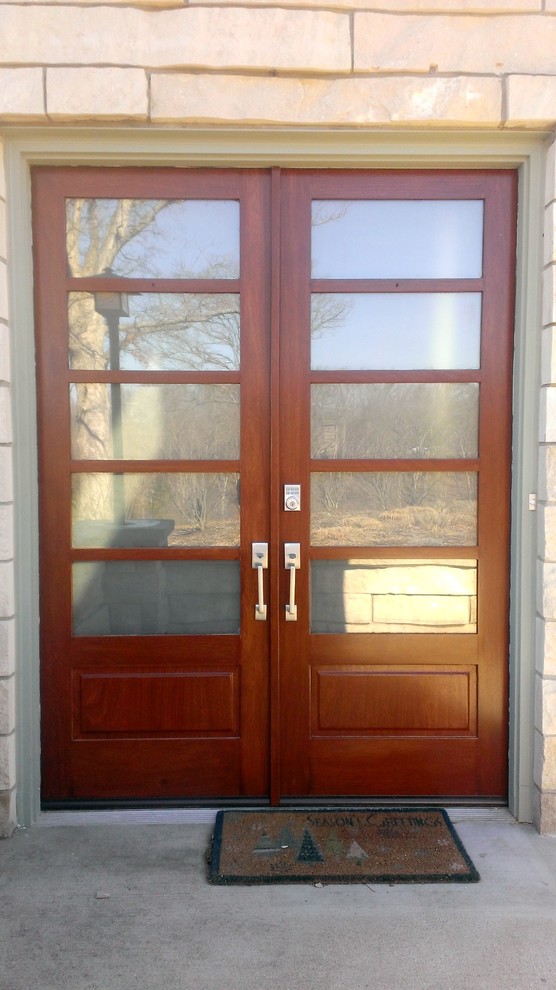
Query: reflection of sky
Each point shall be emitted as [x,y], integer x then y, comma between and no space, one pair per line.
[186,238]
[409,331]
[397,239]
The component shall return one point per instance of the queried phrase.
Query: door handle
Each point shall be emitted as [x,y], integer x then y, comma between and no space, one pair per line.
[292,563]
[259,559]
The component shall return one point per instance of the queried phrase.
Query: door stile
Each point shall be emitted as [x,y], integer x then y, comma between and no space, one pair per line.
[295,417]
[275,492]
[255,405]
[52,451]
[495,458]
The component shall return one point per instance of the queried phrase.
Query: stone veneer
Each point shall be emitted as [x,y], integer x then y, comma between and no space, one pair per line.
[413,64]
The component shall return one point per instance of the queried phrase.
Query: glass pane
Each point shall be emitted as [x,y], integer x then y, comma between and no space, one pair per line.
[394,508]
[378,596]
[156,598]
[153,331]
[395,421]
[153,238]
[155,510]
[397,238]
[383,331]
[160,422]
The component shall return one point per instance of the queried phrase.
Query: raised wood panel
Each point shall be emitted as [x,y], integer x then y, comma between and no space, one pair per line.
[193,702]
[381,699]
[155,768]
[398,766]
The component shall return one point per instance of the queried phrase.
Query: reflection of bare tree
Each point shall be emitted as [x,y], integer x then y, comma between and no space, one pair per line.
[98,231]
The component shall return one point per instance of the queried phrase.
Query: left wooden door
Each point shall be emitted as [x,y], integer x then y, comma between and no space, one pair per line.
[152,293]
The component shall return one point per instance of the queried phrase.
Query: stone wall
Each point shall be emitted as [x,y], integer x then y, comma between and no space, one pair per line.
[389,64]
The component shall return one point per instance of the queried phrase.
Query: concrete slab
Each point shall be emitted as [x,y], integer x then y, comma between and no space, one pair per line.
[127,907]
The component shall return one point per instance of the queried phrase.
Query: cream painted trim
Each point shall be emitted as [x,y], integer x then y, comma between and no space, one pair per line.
[298,148]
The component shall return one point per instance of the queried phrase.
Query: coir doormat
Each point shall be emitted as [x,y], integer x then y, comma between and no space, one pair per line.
[371,845]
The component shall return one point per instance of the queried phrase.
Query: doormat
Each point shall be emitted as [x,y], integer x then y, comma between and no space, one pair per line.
[370,845]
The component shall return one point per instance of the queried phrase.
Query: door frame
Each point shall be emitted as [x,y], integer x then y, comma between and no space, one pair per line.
[294,148]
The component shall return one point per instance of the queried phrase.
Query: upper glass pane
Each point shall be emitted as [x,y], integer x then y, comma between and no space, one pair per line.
[408,331]
[153,238]
[397,239]
[109,331]
[155,510]
[409,420]
[399,509]
[154,422]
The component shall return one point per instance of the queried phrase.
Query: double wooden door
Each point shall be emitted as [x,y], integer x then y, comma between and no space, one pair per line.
[274,453]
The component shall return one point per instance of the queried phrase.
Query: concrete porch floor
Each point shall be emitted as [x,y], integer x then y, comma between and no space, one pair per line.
[126,906]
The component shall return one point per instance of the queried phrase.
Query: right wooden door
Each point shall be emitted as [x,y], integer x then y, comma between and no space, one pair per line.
[395,388]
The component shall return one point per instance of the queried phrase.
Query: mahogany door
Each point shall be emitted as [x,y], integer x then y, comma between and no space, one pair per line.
[153,358]
[393,677]
[317,363]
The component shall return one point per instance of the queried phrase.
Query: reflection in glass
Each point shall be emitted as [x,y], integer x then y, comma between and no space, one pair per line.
[397,238]
[371,331]
[154,331]
[156,598]
[155,510]
[163,422]
[153,238]
[409,420]
[396,596]
[394,508]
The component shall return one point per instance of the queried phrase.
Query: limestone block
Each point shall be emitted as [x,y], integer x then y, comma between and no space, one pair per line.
[530,100]
[401,6]
[4,308]
[546,532]
[548,355]
[21,91]
[547,414]
[402,101]
[7,762]
[546,647]
[7,647]
[547,472]
[546,589]
[549,295]
[421,610]
[384,42]
[7,705]
[6,589]
[234,37]
[548,781]
[7,814]
[544,816]
[6,474]
[5,415]
[138,3]
[6,532]
[3,231]
[98,93]
[5,368]
[545,705]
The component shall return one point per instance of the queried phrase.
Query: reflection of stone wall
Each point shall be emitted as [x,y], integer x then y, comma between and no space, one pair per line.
[375,596]
[156,598]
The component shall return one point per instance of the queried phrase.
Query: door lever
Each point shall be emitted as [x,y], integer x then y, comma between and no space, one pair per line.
[292,563]
[259,559]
